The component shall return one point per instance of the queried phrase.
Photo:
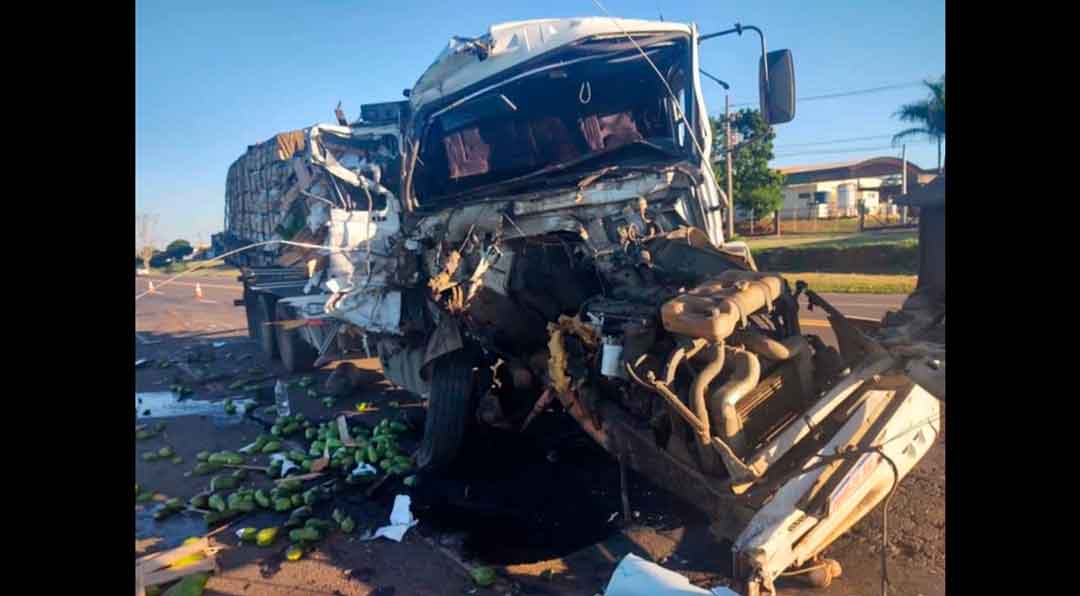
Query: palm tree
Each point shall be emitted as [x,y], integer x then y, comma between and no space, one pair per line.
[928,114]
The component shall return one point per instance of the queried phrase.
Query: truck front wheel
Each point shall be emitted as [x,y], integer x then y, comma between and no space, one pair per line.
[296,354]
[450,407]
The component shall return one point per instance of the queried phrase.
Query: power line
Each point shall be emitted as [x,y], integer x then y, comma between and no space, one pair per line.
[829,142]
[845,93]
[851,150]
[825,151]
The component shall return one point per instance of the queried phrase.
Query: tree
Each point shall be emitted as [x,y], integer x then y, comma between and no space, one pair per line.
[928,115]
[757,188]
[179,249]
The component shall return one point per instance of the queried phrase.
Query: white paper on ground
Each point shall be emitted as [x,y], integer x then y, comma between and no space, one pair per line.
[637,577]
[401,519]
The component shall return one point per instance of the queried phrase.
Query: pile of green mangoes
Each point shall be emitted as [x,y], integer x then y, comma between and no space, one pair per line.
[226,497]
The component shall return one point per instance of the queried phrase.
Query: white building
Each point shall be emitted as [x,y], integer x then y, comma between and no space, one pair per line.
[835,189]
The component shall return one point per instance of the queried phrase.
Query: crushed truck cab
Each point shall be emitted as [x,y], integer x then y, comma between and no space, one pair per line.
[539,227]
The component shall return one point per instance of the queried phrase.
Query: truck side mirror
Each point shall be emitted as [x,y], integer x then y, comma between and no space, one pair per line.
[777,94]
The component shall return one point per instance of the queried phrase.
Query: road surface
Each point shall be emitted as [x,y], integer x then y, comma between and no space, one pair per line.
[530,507]
[175,309]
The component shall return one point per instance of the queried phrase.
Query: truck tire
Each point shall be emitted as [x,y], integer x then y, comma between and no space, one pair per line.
[264,330]
[450,408]
[296,354]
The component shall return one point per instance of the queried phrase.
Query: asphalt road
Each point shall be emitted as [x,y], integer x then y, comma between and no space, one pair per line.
[175,310]
[581,558]
[869,306]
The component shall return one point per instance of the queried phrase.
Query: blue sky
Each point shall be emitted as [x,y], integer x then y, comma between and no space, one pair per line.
[212,78]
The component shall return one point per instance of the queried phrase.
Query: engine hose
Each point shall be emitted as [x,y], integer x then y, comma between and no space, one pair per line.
[701,383]
[723,401]
[770,348]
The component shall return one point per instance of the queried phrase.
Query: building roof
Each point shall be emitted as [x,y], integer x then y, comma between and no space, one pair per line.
[513,43]
[845,170]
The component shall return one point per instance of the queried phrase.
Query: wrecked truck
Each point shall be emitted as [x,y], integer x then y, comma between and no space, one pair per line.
[551,237]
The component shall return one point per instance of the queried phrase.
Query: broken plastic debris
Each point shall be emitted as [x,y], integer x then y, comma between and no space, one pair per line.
[637,577]
[401,519]
[286,463]
[364,469]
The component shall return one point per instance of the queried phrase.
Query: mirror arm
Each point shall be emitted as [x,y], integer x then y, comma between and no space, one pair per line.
[738,28]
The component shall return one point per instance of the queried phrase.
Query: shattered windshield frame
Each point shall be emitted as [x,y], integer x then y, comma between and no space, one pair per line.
[573,111]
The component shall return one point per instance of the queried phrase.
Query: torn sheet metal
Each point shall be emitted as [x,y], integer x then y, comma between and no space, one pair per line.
[349,230]
[787,531]
[284,185]
[601,193]
[467,61]
[376,310]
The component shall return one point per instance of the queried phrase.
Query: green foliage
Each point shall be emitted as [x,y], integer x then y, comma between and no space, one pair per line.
[179,249]
[755,185]
[762,200]
[928,115]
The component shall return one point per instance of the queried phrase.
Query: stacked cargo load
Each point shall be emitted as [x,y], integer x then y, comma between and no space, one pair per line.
[259,190]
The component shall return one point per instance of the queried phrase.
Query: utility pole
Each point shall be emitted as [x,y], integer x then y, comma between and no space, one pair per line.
[727,162]
[903,182]
[145,223]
